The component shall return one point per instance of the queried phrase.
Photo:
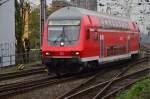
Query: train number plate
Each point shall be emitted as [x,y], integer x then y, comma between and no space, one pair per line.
[61,53]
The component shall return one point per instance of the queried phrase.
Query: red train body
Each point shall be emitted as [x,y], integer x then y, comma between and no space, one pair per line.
[74,35]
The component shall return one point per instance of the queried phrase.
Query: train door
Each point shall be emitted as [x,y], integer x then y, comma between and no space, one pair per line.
[101,48]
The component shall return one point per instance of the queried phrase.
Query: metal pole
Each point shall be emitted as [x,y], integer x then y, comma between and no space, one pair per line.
[42,19]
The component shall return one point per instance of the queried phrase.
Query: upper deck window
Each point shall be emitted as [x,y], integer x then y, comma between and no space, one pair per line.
[114,24]
[64,22]
[126,26]
[104,23]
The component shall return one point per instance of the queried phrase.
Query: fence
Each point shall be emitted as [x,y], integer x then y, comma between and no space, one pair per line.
[9,57]
[23,58]
[7,49]
[28,57]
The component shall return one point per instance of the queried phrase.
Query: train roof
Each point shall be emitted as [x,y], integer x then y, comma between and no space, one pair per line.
[77,13]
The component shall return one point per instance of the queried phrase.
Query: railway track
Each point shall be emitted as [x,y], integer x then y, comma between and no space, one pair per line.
[19,87]
[122,83]
[21,73]
[28,85]
[108,88]
[93,91]
[16,88]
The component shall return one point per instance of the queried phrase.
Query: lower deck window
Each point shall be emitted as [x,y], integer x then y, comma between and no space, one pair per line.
[110,51]
[116,50]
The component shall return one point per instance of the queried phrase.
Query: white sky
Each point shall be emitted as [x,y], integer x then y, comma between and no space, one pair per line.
[36,2]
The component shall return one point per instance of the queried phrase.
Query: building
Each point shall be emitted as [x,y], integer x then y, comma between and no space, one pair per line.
[7,32]
[57,4]
[138,10]
[87,4]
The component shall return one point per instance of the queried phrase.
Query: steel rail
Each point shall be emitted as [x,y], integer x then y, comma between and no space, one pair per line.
[106,83]
[28,85]
[15,88]
[21,73]
[76,88]
[108,95]
[101,85]
[87,81]
[128,80]
[105,88]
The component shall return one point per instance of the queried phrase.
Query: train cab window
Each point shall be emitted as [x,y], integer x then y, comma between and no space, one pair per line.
[71,33]
[67,31]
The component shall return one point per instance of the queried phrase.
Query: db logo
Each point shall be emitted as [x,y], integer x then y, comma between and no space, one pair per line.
[61,53]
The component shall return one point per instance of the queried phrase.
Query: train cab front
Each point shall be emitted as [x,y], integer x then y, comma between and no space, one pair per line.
[62,46]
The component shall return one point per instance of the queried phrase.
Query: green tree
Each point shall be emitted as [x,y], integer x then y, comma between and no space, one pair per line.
[20,7]
[34,28]
[18,28]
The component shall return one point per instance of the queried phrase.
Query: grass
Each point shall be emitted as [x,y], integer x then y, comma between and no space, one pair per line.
[139,90]
[11,69]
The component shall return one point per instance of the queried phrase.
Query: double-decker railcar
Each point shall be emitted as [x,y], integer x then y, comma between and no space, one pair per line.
[75,38]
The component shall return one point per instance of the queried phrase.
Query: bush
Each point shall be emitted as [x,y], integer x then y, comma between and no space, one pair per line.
[139,90]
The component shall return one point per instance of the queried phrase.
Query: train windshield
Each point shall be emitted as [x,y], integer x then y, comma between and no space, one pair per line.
[65,32]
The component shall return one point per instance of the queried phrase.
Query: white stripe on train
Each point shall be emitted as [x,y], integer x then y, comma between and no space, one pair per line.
[105,59]
[111,58]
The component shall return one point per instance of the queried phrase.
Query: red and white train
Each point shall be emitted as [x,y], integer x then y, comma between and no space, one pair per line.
[85,38]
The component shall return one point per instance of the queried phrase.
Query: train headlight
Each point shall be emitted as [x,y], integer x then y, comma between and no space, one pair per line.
[62,44]
[76,53]
[48,53]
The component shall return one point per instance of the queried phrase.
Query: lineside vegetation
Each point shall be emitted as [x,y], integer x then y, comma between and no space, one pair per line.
[139,90]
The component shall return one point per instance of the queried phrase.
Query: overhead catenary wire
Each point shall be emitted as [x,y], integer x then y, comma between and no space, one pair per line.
[3,2]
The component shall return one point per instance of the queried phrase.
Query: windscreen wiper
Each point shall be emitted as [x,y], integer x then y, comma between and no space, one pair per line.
[57,38]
